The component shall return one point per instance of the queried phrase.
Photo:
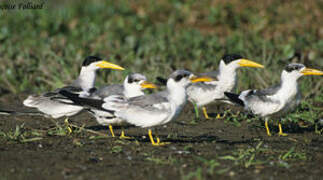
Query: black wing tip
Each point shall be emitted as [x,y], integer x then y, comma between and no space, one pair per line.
[67,93]
[7,112]
[95,103]
[234,98]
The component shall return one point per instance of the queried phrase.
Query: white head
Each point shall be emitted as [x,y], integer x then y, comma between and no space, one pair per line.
[294,71]
[93,63]
[87,75]
[177,83]
[182,78]
[234,61]
[135,83]
[179,78]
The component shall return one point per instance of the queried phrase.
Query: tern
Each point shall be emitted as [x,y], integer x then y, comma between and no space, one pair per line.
[133,86]
[149,110]
[203,93]
[53,106]
[278,100]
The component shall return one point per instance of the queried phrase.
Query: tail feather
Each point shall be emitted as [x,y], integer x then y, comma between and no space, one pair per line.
[6,112]
[38,101]
[91,103]
[31,101]
[11,112]
[115,102]
[234,98]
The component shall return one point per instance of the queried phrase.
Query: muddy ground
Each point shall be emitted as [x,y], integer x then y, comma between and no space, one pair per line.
[200,149]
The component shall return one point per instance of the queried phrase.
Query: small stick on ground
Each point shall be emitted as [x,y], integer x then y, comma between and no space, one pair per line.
[89,130]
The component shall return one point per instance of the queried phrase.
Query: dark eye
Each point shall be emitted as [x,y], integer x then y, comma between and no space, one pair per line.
[92,90]
[136,80]
[299,67]
[293,67]
[178,77]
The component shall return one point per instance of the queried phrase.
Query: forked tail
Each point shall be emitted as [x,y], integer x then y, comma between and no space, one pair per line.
[87,102]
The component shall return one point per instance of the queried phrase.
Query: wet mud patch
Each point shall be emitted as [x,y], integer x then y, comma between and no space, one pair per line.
[35,147]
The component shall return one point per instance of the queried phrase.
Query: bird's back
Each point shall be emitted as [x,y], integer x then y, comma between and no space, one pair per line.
[54,104]
[265,102]
[105,91]
[144,111]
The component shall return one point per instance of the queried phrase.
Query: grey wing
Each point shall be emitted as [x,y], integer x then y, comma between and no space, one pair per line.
[114,89]
[256,96]
[148,110]
[205,86]
[260,95]
[260,102]
[54,104]
[149,101]
[144,111]
[56,96]
[212,74]
[201,85]
[268,91]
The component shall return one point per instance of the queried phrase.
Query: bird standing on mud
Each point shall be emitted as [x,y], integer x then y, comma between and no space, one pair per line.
[133,86]
[52,104]
[203,93]
[155,109]
[278,100]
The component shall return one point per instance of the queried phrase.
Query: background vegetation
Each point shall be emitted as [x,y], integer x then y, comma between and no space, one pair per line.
[43,49]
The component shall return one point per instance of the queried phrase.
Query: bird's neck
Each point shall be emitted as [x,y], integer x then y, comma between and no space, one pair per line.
[227,77]
[130,92]
[288,89]
[86,79]
[177,95]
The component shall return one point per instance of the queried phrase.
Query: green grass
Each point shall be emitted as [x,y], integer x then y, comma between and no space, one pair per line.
[246,157]
[20,134]
[42,49]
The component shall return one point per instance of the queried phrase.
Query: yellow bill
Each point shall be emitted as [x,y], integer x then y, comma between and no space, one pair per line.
[148,85]
[195,79]
[105,64]
[308,71]
[249,63]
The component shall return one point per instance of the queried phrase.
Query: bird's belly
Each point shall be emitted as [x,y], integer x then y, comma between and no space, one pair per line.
[202,97]
[105,118]
[176,111]
[60,110]
[289,107]
[145,117]
[55,109]
[263,109]
[107,121]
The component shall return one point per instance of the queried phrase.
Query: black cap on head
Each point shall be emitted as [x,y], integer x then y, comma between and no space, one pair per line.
[179,74]
[91,59]
[294,66]
[136,77]
[227,58]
